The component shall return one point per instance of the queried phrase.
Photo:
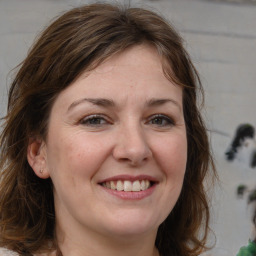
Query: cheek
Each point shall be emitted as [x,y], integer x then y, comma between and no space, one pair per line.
[172,158]
[75,155]
[172,155]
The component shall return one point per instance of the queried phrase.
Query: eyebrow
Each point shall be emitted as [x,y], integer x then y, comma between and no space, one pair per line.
[95,101]
[102,102]
[158,102]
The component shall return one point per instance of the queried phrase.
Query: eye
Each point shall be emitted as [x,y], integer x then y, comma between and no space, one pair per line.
[161,120]
[94,120]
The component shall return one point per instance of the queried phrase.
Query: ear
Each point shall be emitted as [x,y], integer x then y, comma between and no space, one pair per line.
[37,158]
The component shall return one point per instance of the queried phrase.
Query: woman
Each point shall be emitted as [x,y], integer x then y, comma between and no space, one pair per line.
[103,149]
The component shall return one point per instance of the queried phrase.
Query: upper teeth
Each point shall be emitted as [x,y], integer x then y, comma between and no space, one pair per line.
[126,185]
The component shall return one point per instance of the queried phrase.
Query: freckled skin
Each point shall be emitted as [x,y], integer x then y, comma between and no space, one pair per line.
[79,155]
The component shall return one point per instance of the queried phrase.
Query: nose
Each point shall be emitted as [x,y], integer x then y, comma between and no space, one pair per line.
[132,146]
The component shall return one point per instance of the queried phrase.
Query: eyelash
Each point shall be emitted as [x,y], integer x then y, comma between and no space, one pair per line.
[168,121]
[91,118]
[96,120]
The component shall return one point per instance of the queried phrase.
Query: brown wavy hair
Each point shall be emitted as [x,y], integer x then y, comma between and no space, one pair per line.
[80,40]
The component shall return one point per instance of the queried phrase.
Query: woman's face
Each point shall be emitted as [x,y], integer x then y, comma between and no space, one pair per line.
[116,148]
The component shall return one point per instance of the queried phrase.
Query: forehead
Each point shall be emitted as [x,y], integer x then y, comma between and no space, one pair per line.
[138,59]
[133,56]
[136,72]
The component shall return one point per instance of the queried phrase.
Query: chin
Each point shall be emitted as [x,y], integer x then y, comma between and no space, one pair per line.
[133,225]
[132,232]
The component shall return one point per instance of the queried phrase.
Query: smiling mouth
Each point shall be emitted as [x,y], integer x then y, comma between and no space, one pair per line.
[127,185]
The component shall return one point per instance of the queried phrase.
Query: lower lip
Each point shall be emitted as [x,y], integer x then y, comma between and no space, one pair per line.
[131,195]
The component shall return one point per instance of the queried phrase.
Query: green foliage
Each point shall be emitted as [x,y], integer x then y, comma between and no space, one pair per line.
[249,250]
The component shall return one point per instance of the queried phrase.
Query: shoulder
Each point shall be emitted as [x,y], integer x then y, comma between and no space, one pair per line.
[6,252]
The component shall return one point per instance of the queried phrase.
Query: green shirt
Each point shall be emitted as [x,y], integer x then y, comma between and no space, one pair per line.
[249,250]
